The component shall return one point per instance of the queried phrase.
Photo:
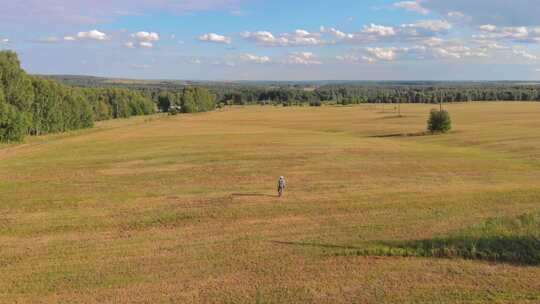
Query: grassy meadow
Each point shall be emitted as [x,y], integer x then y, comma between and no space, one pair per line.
[183,209]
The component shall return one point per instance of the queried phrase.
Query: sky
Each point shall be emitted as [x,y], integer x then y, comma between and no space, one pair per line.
[228,40]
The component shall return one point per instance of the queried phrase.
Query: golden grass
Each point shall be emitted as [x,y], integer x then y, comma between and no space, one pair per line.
[181,209]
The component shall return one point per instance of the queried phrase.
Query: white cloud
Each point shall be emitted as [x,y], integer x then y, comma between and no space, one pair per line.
[215,38]
[488,28]
[93,35]
[440,49]
[372,33]
[443,53]
[432,41]
[518,34]
[256,59]
[130,45]
[299,37]
[412,6]
[387,54]
[146,36]
[304,58]
[69,38]
[146,44]
[426,27]
[336,33]
[379,30]
[524,54]
[4,41]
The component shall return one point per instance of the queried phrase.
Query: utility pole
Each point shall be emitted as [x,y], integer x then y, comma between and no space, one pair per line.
[440,100]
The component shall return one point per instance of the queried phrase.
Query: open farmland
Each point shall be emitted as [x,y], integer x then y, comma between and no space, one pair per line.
[182,209]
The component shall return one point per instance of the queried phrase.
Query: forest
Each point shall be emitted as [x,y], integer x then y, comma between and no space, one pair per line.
[34,105]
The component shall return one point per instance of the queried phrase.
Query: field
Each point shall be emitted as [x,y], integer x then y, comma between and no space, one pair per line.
[183,210]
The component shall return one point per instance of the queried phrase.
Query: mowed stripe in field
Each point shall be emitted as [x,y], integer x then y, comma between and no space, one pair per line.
[183,208]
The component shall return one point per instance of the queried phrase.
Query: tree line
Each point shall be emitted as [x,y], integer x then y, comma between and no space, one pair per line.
[317,93]
[33,105]
[356,94]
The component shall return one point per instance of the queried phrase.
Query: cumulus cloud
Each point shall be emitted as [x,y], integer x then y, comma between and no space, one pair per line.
[380,33]
[412,6]
[303,58]
[336,33]
[4,41]
[524,54]
[256,59]
[93,35]
[143,40]
[513,33]
[146,44]
[426,50]
[387,54]
[215,38]
[427,26]
[299,37]
[379,30]
[146,36]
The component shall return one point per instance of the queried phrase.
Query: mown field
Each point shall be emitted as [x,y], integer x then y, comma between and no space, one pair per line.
[183,209]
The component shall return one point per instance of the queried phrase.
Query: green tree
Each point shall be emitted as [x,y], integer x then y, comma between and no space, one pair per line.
[439,121]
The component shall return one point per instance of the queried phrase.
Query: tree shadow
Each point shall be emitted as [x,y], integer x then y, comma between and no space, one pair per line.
[501,240]
[519,250]
[401,135]
[252,195]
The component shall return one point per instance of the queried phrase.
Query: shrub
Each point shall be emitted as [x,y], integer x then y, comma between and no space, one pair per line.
[175,110]
[439,121]
[315,103]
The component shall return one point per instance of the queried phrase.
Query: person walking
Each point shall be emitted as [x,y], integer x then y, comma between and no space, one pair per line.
[281,185]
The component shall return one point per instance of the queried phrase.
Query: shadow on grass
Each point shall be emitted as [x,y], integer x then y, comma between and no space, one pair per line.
[252,195]
[503,240]
[402,135]
[520,250]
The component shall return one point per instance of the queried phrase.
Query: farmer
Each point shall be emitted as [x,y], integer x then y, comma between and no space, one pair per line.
[281,185]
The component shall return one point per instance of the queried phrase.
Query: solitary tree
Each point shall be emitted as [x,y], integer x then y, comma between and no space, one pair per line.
[439,121]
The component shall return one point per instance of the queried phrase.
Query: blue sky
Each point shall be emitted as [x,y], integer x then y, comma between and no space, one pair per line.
[276,39]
